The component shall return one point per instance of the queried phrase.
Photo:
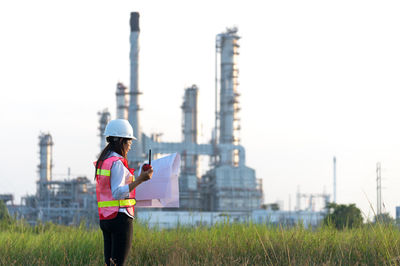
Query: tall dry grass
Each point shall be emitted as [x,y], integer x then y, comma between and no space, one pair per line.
[223,244]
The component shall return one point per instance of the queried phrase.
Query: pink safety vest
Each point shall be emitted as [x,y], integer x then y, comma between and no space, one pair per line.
[107,205]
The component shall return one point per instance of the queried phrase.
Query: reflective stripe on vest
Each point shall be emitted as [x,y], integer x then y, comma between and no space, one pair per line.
[117,203]
[104,172]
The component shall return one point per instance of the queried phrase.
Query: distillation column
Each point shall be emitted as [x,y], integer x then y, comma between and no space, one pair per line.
[190,197]
[122,101]
[227,45]
[189,128]
[46,162]
[105,117]
[135,156]
[231,185]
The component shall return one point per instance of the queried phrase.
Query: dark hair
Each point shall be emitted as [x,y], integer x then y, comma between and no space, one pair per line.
[114,144]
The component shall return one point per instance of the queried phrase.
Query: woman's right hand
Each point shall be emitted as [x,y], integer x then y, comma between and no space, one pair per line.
[146,175]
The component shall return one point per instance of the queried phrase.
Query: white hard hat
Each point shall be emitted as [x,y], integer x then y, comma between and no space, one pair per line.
[119,128]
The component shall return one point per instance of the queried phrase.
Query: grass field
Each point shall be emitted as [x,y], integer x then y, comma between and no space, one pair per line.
[224,244]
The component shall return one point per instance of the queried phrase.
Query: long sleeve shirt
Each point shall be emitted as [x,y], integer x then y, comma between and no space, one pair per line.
[119,173]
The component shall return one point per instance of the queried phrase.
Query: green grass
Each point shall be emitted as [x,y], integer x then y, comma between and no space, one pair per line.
[223,244]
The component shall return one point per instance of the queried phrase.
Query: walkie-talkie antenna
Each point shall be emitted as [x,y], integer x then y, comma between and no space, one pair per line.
[149,156]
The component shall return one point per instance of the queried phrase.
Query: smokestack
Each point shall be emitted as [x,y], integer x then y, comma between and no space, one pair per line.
[134,21]
[135,156]
[334,179]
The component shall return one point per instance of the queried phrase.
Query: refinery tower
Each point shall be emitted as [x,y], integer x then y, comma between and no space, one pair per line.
[229,185]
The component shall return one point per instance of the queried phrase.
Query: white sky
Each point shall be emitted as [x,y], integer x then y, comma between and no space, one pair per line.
[317,79]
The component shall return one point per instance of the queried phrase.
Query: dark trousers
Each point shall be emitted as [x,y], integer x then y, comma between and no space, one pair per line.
[117,234]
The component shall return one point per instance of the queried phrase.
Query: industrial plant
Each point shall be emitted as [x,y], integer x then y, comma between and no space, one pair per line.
[68,202]
[228,187]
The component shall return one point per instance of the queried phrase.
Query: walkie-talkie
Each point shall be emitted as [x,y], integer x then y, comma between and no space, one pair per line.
[147,166]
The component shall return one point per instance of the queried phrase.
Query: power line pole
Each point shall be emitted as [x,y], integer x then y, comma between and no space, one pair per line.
[378,189]
[334,179]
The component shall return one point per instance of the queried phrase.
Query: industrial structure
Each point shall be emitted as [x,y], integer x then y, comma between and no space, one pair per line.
[229,185]
[170,219]
[65,202]
[311,201]
[104,118]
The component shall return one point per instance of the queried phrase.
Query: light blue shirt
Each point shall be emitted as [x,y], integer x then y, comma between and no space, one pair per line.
[119,173]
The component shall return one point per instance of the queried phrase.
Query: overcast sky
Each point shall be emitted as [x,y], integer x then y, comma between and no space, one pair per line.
[317,79]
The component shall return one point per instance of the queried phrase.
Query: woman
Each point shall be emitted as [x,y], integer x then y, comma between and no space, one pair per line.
[115,190]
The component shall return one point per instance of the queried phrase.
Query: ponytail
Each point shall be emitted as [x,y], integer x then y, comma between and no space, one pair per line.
[114,144]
